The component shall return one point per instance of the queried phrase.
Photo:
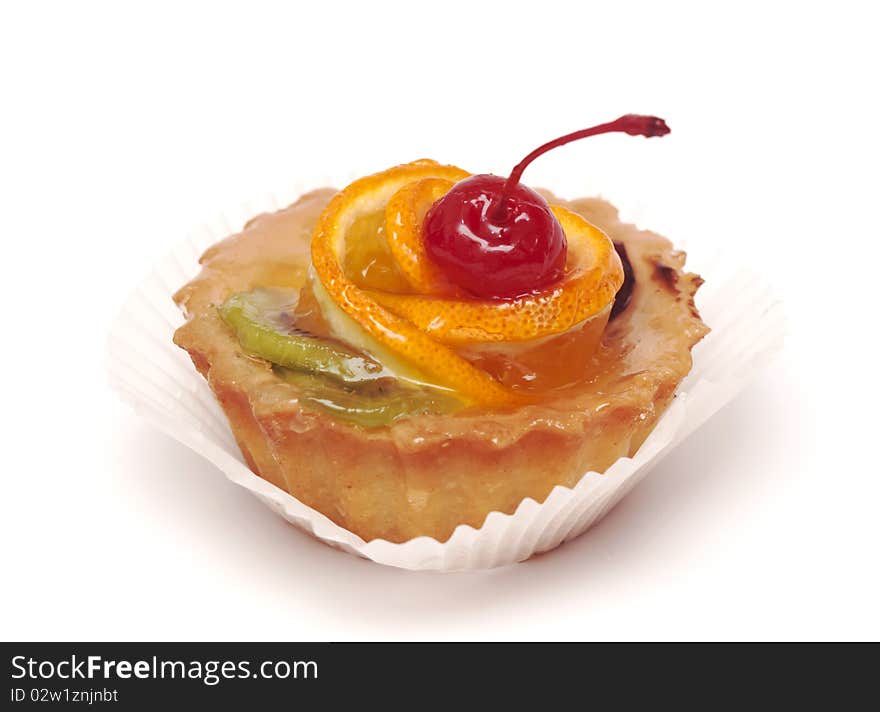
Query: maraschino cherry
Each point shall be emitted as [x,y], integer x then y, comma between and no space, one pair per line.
[498,239]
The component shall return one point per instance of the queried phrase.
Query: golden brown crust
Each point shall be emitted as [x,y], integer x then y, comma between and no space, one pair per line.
[425,475]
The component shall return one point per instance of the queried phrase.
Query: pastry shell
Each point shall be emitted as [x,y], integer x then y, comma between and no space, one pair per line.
[426,475]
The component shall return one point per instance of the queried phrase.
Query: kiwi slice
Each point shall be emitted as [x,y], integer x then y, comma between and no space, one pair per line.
[381,403]
[329,376]
[264,324]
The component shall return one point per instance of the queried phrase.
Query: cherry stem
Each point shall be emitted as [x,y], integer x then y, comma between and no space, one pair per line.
[632,124]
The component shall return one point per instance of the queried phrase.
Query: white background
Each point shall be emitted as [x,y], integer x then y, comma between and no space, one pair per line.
[121,128]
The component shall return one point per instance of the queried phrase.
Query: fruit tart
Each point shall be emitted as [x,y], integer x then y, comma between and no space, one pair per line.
[427,346]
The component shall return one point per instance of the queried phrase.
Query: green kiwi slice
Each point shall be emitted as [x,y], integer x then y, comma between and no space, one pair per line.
[263,322]
[380,404]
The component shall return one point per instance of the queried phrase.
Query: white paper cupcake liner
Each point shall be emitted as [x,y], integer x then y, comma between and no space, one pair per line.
[157,378]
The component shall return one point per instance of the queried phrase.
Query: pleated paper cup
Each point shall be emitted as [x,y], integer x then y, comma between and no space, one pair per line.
[159,381]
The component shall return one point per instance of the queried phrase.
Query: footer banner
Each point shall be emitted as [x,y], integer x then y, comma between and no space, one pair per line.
[160,676]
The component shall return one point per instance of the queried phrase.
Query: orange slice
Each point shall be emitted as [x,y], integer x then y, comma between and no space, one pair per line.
[593,276]
[360,318]
[404,216]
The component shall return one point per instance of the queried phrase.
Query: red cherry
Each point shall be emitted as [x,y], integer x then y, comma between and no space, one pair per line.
[498,239]
[522,251]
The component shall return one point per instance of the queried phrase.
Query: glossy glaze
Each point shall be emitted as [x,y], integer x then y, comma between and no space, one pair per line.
[644,352]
